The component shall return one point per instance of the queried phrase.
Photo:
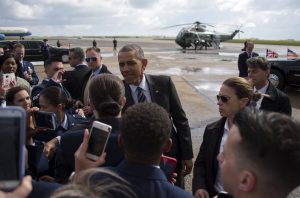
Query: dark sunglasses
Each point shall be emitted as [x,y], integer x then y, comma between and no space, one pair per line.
[223,98]
[91,59]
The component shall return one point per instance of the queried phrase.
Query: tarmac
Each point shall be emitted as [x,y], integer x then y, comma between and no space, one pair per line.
[197,75]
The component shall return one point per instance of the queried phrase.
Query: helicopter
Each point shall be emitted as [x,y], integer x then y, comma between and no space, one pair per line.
[197,35]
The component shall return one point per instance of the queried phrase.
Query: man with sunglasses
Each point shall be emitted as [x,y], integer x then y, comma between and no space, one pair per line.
[75,80]
[94,61]
[272,99]
[140,87]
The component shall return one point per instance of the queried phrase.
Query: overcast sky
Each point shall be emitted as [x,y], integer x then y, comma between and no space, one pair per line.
[269,19]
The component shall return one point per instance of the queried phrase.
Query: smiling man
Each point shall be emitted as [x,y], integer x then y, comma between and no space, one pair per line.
[140,87]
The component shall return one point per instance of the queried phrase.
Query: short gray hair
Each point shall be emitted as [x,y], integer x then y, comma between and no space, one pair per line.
[133,47]
[78,52]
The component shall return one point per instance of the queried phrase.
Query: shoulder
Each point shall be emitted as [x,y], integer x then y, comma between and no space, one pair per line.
[216,125]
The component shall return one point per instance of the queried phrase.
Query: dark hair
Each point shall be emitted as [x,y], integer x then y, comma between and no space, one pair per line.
[106,92]
[78,52]
[270,144]
[10,95]
[133,47]
[96,49]
[241,87]
[55,96]
[258,62]
[20,45]
[51,60]
[145,128]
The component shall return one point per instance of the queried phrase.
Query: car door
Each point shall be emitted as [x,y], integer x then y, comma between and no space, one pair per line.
[294,71]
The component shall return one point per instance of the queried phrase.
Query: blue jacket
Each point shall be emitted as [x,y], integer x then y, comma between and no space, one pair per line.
[28,67]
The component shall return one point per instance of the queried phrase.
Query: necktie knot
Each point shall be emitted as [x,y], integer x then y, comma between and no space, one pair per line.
[140,95]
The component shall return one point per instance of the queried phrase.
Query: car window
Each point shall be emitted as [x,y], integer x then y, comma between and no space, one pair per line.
[33,45]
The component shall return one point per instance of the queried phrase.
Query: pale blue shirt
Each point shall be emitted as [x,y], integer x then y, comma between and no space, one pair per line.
[145,88]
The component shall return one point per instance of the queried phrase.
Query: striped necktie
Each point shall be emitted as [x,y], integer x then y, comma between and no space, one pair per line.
[140,95]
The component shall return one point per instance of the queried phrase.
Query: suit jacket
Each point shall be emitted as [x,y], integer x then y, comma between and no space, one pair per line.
[75,80]
[206,164]
[71,141]
[242,65]
[72,119]
[35,93]
[28,67]
[163,93]
[148,181]
[277,102]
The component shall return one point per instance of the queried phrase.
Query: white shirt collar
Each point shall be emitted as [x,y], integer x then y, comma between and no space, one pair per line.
[263,89]
[64,124]
[142,85]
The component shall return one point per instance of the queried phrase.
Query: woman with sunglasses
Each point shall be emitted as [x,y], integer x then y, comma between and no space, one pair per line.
[235,94]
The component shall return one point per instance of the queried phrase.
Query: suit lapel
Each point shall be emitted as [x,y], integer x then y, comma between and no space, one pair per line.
[153,89]
[129,99]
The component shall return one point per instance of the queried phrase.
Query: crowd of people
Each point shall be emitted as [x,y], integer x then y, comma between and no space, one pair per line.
[251,151]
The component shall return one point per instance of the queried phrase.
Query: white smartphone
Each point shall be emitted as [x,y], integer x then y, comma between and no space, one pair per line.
[7,79]
[12,147]
[98,139]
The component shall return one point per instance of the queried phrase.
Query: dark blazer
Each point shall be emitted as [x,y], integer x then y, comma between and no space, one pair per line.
[71,141]
[41,189]
[35,93]
[72,119]
[277,102]
[75,80]
[163,93]
[242,65]
[148,181]
[28,67]
[206,164]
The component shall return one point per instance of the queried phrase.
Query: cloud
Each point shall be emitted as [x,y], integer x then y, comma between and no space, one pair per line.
[262,19]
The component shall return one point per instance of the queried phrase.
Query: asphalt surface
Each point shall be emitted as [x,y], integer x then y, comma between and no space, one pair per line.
[197,75]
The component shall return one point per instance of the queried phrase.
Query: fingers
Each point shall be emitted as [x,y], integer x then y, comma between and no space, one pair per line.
[201,193]
[101,160]
[24,189]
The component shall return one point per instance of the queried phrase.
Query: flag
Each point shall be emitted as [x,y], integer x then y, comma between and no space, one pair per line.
[291,54]
[271,54]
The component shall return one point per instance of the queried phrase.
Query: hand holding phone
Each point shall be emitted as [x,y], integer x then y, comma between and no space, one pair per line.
[44,120]
[99,135]
[168,166]
[8,80]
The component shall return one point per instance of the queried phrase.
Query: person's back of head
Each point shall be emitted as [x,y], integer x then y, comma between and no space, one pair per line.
[107,95]
[96,182]
[145,132]
[268,153]
[78,53]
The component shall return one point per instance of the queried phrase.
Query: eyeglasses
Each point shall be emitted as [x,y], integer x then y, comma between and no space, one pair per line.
[223,98]
[91,59]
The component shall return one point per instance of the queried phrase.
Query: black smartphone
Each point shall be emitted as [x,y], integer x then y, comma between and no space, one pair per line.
[12,146]
[44,120]
[98,139]
[168,166]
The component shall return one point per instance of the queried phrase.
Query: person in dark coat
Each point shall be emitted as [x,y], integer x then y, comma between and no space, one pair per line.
[242,65]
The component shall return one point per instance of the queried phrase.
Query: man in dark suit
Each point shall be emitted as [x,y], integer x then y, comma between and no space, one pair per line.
[242,65]
[25,69]
[94,61]
[140,87]
[272,99]
[75,80]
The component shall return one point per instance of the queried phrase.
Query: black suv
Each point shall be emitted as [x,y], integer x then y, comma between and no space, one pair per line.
[285,72]
[33,50]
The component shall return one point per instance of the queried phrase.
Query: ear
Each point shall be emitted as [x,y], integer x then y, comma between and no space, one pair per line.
[247,181]
[168,145]
[59,107]
[144,62]
[123,102]
[244,102]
